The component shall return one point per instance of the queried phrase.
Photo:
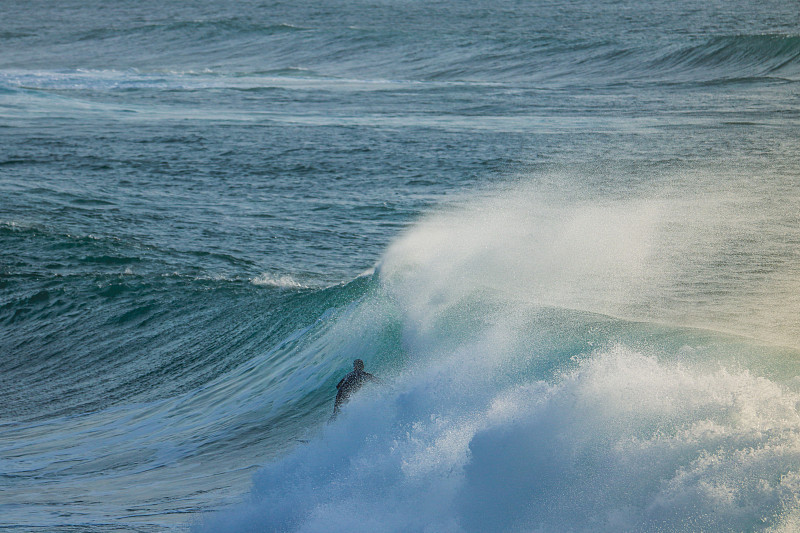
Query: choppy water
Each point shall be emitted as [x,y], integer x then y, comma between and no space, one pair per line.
[566,235]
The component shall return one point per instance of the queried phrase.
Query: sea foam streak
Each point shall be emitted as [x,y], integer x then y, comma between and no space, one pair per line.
[500,422]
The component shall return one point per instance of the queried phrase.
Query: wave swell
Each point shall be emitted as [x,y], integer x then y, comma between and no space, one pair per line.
[737,57]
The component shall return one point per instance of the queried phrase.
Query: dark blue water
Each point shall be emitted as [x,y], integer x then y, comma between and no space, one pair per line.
[566,234]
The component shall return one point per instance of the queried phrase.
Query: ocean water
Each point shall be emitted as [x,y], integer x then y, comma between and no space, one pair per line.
[566,235]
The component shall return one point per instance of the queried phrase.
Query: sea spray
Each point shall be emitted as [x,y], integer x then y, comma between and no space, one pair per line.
[684,251]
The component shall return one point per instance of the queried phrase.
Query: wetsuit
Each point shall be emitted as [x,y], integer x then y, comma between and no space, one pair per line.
[350,384]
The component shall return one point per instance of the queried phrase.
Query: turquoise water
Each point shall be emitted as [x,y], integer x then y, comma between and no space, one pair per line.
[565,234]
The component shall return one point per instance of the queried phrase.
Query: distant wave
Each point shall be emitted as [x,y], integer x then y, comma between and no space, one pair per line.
[739,56]
[723,57]
[265,55]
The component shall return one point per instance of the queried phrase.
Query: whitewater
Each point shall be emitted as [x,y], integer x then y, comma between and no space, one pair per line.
[565,235]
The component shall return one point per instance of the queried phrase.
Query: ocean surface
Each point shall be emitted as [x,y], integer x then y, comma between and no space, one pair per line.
[564,233]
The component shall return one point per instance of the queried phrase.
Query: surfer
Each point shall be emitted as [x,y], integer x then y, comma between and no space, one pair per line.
[351,383]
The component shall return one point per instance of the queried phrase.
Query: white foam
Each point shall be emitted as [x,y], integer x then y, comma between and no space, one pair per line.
[623,442]
[284,281]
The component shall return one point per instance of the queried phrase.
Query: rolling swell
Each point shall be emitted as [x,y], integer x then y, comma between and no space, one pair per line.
[230,46]
[736,57]
[106,322]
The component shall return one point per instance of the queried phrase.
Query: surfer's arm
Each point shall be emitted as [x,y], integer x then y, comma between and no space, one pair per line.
[372,378]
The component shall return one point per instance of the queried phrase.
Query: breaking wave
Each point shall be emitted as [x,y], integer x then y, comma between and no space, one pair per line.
[509,409]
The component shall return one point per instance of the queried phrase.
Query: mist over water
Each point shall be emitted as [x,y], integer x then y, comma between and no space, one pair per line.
[681,254]
[564,234]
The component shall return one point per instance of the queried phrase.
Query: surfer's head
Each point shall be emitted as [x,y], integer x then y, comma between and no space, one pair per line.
[358,364]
